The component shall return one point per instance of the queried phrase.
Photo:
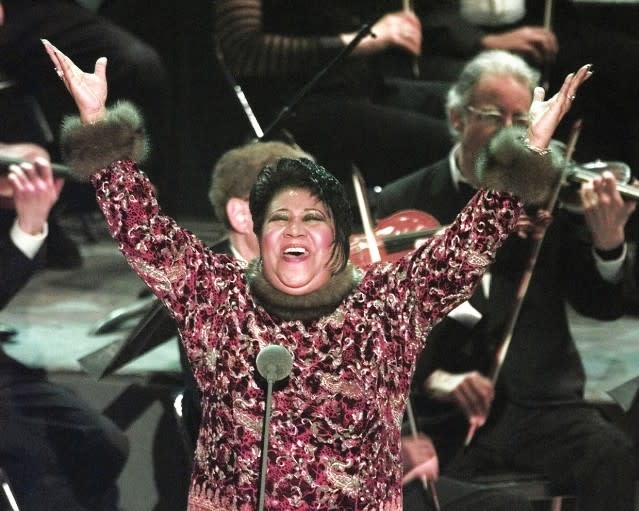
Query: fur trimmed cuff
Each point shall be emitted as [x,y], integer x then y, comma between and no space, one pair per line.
[91,147]
[508,164]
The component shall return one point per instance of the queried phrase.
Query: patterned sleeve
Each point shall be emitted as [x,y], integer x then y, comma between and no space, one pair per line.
[172,261]
[441,274]
[251,52]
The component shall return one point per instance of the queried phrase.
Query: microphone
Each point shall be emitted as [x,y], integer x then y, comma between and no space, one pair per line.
[59,170]
[274,363]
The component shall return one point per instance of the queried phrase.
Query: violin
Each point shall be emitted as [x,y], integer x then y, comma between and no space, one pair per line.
[582,173]
[395,236]
[6,194]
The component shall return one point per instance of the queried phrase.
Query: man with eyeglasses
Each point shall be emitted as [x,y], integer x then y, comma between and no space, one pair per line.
[534,417]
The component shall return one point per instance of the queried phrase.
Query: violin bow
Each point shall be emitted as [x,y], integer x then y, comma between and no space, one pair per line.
[367,225]
[408,7]
[502,351]
[548,26]
[365,214]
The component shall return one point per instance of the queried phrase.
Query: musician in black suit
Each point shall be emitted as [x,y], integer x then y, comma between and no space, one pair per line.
[58,452]
[534,418]
[455,31]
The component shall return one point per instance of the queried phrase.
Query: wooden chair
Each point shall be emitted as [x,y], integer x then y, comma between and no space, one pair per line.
[534,486]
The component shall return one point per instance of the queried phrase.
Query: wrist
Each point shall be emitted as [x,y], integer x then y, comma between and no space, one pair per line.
[31,228]
[93,117]
[536,147]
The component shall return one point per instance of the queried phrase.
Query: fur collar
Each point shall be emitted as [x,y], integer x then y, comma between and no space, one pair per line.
[305,307]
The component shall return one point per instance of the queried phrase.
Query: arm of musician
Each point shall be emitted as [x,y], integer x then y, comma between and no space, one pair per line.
[34,191]
[419,458]
[606,215]
[537,42]
[400,29]
[472,392]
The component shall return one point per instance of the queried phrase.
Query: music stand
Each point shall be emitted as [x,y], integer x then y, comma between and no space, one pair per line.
[154,329]
[626,393]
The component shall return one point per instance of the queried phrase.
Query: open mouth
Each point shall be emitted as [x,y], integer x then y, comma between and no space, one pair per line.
[295,251]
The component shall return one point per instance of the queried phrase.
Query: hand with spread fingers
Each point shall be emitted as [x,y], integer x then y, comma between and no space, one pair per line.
[546,115]
[89,90]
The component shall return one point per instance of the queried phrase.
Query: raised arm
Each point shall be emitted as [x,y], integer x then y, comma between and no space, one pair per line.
[102,146]
[515,170]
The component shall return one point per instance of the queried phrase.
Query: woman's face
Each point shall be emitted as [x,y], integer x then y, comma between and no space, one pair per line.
[296,242]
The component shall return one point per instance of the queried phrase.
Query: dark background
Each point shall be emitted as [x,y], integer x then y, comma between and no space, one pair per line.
[206,116]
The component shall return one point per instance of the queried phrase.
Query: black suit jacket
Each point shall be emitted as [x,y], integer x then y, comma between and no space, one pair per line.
[15,268]
[15,271]
[543,365]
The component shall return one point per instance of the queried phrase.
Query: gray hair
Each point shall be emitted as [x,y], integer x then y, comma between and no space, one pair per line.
[487,63]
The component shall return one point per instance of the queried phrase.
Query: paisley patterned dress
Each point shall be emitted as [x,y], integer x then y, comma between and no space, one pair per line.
[335,424]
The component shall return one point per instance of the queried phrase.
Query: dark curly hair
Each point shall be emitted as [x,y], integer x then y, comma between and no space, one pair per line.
[305,174]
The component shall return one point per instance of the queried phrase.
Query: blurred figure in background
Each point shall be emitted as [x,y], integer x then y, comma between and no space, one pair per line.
[137,73]
[534,418]
[57,452]
[274,48]
[454,31]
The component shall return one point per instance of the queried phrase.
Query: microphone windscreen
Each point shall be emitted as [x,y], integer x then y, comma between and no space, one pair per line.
[274,362]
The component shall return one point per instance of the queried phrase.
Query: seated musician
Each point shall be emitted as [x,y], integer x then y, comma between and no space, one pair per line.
[534,417]
[58,452]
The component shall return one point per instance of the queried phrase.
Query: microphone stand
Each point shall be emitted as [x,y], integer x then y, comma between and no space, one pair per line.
[274,363]
[288,109]
[265,426]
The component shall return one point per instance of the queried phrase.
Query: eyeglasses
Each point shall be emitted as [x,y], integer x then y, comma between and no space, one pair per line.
[498,119]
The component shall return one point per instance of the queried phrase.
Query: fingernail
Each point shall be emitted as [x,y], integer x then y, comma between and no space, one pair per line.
[589,66]
[45,42]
